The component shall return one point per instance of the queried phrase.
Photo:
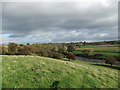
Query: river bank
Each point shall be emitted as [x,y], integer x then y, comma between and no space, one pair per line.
[89,59]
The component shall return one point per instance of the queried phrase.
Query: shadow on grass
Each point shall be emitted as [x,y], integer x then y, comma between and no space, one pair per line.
[113,67]
[55,84]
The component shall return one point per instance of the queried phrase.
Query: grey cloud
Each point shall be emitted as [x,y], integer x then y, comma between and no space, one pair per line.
[24,19]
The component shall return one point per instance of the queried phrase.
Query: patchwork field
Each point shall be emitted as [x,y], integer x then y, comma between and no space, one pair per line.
[106,50]
[41,72]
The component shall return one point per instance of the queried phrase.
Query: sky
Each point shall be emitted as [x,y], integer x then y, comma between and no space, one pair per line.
[47,21]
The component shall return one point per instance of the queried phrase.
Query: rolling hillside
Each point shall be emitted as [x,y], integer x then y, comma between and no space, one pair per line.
[41,72]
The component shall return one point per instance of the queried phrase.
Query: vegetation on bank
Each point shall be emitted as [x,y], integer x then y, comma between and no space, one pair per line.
[42,72]
[97,50]
[57,51]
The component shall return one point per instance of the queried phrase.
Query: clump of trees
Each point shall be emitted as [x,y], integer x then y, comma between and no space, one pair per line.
[91,53]
[88,52]
[70,48]
[53,50]
[110,60]
[70,56]
[25,50]
[12,48]
[3,50]
[56,55]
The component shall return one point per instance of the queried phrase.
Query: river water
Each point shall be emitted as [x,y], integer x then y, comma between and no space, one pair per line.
[89,59]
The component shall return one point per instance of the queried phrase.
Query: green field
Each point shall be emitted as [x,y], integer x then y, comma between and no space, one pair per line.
[41,72]
[100,48]
[106,50]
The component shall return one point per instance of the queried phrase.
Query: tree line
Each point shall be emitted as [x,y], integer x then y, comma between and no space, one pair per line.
[53,50]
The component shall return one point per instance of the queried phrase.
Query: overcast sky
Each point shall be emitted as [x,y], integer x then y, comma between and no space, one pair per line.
[42,22]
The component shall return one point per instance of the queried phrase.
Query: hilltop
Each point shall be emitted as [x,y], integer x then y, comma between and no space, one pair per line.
[42,72]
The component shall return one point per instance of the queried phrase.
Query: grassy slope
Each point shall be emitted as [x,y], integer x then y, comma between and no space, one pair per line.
[41,72]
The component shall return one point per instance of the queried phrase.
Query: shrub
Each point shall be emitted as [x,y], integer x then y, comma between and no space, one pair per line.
[65,48]
[20,51]
[56,55]
[86,51]
[70,48]
[55,49]
[42,52]
[0,50]
[12,48]
[3,50]
[25,50]
[98,55]
[62,49]
[91,53]
[110,60]
[70,56]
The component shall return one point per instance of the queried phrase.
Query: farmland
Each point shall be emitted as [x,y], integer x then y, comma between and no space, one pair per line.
[42,72]
[105,50]
[101,48]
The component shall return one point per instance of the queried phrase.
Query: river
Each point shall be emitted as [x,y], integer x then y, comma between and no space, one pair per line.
[89,59]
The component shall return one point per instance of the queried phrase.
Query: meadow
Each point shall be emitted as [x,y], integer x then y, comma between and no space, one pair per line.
[105,50]
[42,72]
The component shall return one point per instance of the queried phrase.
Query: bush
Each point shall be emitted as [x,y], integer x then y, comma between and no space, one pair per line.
[3,50]
[55,49]
[12,48]
[70,48]
[20,51]
[25,50]
[41,52]
[91,53]
[56,55]
[70,56]
[98,55]
[62,49]
[86,51]
[110,60]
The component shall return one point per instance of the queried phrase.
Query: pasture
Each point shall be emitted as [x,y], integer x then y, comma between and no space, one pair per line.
[106,50]
[101,48]
[42,72]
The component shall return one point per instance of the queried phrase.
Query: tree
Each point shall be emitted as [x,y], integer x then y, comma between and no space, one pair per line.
[110,60]
[55,49]
[90,53]
[0,50]
[12,48]
[28,44]
[20,51]
[25,50]
[70,56]
[71,48]
[84,43]
[85,51]
[65,48]
[56,55]
[62,49]
[4,50]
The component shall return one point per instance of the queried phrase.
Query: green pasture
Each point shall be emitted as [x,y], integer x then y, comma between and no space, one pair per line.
[100,48]
[42,72]
[106,50]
